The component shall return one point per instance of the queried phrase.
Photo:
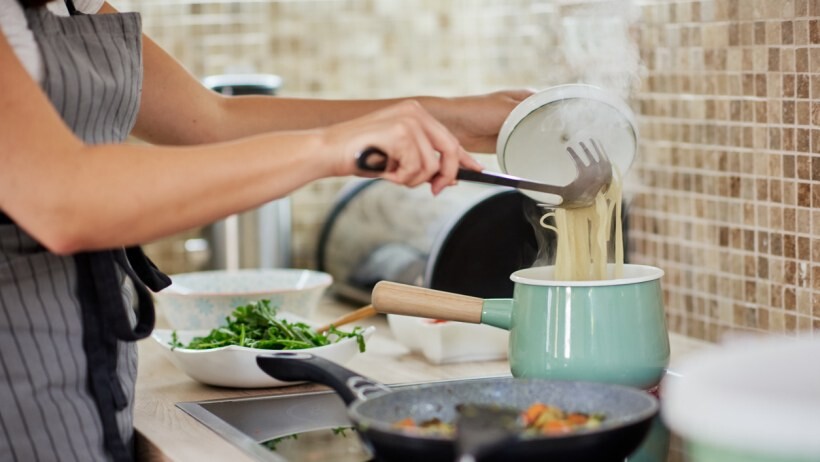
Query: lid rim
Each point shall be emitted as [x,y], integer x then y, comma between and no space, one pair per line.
[648,273]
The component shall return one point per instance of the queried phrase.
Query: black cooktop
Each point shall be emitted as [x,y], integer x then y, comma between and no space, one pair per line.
[314,426]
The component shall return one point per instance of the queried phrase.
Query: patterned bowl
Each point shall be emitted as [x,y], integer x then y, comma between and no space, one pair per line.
[202,300]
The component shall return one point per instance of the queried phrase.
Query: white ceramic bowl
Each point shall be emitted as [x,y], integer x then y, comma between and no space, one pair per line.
[203,300]
[235,366]
[449,341]
[752,400]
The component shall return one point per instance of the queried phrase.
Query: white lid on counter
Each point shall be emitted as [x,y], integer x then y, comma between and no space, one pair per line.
[757,395]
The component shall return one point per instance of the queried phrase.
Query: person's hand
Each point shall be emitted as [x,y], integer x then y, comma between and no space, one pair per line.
[476,120]
[419,147]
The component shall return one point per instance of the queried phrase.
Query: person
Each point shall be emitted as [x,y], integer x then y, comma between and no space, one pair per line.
[76,201]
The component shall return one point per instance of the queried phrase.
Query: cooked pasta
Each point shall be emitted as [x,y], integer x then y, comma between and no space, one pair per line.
[583,237]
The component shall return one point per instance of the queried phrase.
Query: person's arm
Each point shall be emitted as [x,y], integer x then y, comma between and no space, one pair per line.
[71,196]
[177,109]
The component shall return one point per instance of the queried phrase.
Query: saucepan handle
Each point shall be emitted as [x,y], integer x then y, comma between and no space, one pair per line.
[394,298]
[294,366]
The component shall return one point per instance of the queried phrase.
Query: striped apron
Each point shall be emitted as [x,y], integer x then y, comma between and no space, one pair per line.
[68,359]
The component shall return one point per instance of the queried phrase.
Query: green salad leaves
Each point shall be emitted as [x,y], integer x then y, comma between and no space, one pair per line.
[255,325]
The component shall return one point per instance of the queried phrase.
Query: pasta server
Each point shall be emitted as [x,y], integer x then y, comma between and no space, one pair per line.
[484,429]
[594,174]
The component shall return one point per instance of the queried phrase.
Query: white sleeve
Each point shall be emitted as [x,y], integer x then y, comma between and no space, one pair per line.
[88,6]
[58,7]
[14,26]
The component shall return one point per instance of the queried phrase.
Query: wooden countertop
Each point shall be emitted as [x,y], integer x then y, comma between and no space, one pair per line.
[166,433]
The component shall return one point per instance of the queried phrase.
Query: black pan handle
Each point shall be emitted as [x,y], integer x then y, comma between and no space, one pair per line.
[293,366]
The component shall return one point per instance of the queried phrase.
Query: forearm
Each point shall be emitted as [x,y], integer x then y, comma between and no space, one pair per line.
[114,195]
[474,120]
[176,109]
[249,115]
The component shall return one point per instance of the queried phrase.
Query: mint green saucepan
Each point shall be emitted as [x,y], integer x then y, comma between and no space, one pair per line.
[611,330]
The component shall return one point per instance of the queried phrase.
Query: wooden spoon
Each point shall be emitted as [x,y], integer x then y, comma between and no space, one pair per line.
[361,313]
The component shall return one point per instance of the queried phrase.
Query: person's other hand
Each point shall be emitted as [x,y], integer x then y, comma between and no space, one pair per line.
[476,120]
[419,148]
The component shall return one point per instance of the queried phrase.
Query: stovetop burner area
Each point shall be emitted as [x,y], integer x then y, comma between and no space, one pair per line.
[253,424]
[314,427]
[339,444]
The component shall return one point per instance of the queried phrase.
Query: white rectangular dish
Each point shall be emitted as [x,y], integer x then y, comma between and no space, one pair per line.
[449,341]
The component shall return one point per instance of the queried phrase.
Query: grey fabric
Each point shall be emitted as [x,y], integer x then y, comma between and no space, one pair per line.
[95,85]
[93,78]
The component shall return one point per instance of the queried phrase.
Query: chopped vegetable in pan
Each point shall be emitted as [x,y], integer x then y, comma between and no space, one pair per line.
[551,420]
[255,325]
[538,419]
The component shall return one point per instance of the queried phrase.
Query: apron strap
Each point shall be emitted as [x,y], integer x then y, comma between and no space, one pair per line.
[102,287]
[100,347]
[146,270]
[105,321]
[69,4]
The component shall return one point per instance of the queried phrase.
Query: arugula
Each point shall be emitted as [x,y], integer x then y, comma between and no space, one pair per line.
[255,325]
[338,431]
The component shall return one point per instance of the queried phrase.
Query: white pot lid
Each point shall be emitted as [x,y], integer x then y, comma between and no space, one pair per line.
[756,395]
[533,140]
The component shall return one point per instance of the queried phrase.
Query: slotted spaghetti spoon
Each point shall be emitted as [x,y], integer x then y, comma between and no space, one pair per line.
[484,429]
[594,174]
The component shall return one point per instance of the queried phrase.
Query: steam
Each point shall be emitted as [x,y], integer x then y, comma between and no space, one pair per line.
[598,48]
[544,238]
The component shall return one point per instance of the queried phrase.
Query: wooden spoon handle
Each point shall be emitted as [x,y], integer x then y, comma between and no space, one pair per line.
[394,298]
[361,313]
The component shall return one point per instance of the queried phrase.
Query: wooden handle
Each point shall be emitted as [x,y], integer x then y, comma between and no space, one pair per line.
[361,313]
[394,298]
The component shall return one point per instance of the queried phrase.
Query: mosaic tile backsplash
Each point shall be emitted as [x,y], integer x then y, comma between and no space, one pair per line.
[730,203]
[725,191]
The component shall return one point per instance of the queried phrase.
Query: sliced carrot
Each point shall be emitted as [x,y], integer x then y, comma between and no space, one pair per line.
[532,413]
[577,419]
[554,427]
[405,423]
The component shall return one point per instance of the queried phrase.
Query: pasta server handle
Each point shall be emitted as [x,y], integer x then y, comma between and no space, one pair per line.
[594,174]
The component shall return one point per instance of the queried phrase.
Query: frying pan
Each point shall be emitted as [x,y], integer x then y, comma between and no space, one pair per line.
[373,409]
